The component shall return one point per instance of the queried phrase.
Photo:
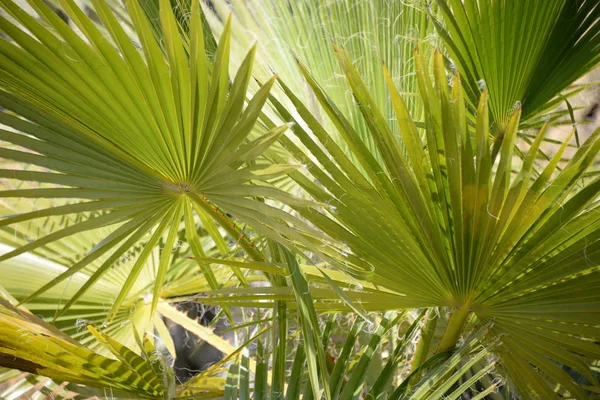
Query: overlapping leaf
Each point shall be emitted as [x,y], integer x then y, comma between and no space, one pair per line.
[524,52]
[15,384]
[135,140]
[347,365]
[28,344]
[142,141]
[445,224]
[372,31]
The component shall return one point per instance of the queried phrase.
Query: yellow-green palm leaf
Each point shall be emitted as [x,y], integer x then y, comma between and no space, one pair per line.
[135,136]
[446,224]
[29,344]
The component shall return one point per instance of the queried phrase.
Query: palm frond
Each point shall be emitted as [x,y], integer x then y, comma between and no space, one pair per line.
[372,31]
[30,345]
[147,137]
[447,225]
[348,364]
[523,52]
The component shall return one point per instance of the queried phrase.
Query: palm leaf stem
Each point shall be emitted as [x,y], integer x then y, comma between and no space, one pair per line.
[427,333]
[230,226]
[455,326]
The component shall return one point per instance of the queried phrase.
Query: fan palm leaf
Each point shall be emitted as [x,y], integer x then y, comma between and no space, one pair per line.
[347,366]
[371,31]
[523,52]
[132,322]
[447,225]
[72,362]
[135,140]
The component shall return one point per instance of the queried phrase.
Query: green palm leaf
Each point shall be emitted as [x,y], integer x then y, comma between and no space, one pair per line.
[372,31]
[139,135]
[523,52]
[126,136]
[49,352]
[446,225]
[348,365]
[24,273]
